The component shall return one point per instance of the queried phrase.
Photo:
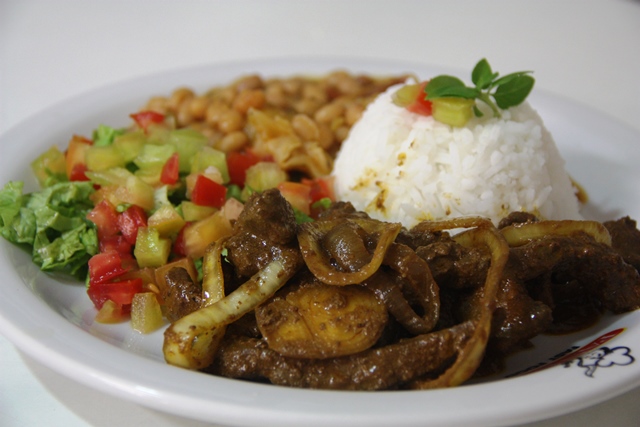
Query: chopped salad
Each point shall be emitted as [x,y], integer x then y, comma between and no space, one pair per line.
[120,208]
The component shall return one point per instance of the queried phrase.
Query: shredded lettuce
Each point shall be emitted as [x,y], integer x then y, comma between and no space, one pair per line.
[104,135]
[52,223]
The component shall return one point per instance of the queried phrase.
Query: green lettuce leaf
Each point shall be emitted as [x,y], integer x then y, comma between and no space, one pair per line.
[104,135]
[52,223]
[16,223]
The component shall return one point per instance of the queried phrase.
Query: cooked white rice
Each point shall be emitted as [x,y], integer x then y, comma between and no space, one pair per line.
[403,167]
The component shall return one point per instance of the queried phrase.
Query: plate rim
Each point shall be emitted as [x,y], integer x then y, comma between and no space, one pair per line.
[33,344]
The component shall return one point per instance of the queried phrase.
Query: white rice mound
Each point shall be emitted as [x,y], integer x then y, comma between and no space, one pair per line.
[404,167]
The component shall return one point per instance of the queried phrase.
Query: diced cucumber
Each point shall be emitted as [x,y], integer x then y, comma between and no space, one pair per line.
[166,220]
[128,188]
[452,111]
[146,314]
[113,176]
[206,157]
[193,212]
[154,156]
[157,135]
[262,176]
[187,143]
[149,175]
[151,160]
[103,157]
[151,250]
[137,192]
[130,145]
[406,95]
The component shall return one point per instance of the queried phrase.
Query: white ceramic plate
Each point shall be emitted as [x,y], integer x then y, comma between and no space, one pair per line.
[51,319]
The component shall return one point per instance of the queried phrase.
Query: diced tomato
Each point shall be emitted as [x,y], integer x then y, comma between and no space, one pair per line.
[78,173]
[171,170]
[75,162]
[144,119]
[238,162]
[208,193]
[105,217]
[421,105]
[107,266]
[130,220]
[321,188]
[129,263]
[121,292]
[297,194]
[117,243]
[179,244]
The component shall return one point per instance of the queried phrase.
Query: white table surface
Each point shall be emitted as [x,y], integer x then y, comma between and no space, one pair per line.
[585,50]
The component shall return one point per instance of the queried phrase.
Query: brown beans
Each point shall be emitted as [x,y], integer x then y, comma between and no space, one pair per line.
[226,94]
[341,133]
[292,86]
[183,114]
[159,104]
[307,112]
[276,95]
[198,107]
[214,111]
[179,96]
[314,92]
[230,121]
[345,83]
[352,113]
[329,112]
[233,141]
[306,106]
[250,98]
[250,82]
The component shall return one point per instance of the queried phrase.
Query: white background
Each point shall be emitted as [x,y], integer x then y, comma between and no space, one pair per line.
[585,50]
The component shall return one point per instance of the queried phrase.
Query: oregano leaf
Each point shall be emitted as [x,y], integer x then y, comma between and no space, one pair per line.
[514,91]
[506,79]
[497,93]
[453,91]
[449,86]
[440,84]
[482,75]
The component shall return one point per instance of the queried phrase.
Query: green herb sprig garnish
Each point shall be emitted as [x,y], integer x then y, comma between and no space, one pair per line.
[497,92]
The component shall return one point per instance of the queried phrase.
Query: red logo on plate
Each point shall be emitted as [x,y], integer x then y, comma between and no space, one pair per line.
[572,354]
